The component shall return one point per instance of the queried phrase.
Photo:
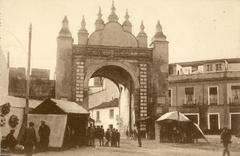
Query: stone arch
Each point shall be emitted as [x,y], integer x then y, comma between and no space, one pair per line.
[91,69]
[132,85]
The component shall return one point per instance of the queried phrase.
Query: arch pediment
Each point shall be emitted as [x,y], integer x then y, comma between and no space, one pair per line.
[113,35]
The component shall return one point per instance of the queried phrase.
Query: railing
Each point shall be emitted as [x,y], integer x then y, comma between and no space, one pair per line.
[234,101]
[206,76]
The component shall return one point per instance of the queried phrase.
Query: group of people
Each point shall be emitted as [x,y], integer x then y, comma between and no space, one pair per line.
[134,134]
[29,139]
[109,138]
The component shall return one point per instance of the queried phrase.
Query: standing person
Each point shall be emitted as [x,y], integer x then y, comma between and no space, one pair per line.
[107,136]
[101,136]
[11,141]
[92,135]
[226,139]
[29,139]
[117,138]
[127,133]
[44,133]
[113,138]
[88,136]
[98,134]
[138,135]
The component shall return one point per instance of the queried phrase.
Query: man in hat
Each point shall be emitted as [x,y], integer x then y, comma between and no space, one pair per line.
[29,139]
[226,139]
[44,133]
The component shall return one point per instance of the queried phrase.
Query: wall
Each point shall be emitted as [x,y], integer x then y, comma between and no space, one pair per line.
[201,91]
[108,92]
[41,86]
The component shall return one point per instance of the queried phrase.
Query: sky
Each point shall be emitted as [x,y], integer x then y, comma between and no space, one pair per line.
[195,29]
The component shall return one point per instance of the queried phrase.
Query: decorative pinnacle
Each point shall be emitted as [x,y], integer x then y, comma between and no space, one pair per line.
[159,36]
[83,24]
[142,27]
[142,33]
[64,30]
[113,7]
[100,13]
[127,15]
[158,27]
[65,22]
[113,17]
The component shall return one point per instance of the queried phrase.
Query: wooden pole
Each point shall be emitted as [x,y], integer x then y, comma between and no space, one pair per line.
[28,74]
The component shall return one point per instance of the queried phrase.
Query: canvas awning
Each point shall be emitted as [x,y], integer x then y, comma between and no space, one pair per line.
[175,115]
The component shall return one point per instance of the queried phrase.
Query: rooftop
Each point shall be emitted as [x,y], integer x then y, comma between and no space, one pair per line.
[112,103]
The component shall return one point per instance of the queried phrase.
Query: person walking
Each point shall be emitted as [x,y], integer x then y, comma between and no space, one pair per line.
[29,139]
[44,133]
[138,135]
[226,140]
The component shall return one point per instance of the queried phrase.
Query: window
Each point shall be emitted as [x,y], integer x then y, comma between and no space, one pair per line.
[194,117]
[170,70]
[235,90]
[212,95]
[213,123]
[218,67]
[209,67]
[97,116]
[98,81]
[234,122]
[170,96]
[189,93]
[111,113]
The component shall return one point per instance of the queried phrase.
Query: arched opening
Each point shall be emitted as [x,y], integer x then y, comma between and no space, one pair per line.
[109,83]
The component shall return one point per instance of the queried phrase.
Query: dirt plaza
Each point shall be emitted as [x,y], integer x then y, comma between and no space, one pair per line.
[151,148]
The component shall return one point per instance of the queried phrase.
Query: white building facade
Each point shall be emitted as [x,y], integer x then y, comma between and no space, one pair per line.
[106,115]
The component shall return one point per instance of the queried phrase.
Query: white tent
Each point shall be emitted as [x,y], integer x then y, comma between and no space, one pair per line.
[175,115]
[180,120]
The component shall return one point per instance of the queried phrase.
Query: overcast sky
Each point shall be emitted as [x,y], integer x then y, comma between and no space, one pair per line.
[196,29]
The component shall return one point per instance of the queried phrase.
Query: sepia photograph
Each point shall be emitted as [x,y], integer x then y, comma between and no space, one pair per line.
[120,77]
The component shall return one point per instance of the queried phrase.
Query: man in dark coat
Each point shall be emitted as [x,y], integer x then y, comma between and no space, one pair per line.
[117,138]
[44,133]
[101,136]
[226,139]
[108,137]
[11,141]
[29,139]
[138,134]
[92,136]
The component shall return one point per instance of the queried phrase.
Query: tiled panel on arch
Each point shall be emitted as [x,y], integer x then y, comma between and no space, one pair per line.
[143,69]
[79,70]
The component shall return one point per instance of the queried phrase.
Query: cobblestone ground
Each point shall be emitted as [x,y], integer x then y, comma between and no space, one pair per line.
[151,148]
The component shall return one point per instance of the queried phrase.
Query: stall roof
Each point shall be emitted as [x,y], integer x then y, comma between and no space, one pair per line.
[54,106]
[70,107]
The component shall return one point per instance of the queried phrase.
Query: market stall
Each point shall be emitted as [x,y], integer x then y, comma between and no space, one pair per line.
[67,121]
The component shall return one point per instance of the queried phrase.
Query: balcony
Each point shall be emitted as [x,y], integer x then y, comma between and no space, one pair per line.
[234,101]
[190,103]
[205,76]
